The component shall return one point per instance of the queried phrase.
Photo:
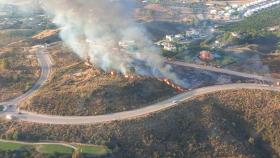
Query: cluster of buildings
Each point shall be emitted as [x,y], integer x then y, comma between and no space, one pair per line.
[12,17]
[236,11]
[227,13]
[252,4]
[198,33]
[258,6]
[7,23]
[127,44]
[170,40]
[169,46]
[169,43]
[24,22]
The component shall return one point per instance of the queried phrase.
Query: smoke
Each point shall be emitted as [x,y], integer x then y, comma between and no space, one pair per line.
[23,7]
[16,2]
[104,32]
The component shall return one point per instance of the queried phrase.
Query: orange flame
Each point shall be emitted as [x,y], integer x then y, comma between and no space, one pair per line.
[168,82]
[112,73]
[164,80]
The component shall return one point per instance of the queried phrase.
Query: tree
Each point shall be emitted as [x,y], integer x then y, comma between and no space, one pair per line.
[15,135]
[76,154]
[4,64]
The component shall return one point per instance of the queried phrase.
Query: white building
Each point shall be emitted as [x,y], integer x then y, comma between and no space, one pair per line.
[213,12]
[179,37]
[169,38]
[169,47]
[126,43]
[192,32]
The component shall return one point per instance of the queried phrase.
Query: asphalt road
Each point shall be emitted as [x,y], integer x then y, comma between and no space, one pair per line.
[224,71]
[78,120]
[45,64]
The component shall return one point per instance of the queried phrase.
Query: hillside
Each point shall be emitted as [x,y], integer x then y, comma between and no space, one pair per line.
[46,36]
[18,71]
[257,22]
[79,89]
[242,123]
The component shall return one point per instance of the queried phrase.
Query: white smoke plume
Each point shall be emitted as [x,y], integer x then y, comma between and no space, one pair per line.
[94,29]
[23,6]
[16,2]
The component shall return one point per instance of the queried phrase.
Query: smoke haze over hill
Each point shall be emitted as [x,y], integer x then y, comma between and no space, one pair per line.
[94,30]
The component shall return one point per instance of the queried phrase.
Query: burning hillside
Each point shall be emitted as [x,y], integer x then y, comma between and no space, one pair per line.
[132,75]
[80,88]
[45,34]
[163,80]
[110,38]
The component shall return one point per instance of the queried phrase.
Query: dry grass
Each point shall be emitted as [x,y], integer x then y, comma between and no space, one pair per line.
[45,34]
[273,62]
[19,71]
[77,89]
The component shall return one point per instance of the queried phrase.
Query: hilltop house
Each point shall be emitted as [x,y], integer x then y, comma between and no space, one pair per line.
[206,55]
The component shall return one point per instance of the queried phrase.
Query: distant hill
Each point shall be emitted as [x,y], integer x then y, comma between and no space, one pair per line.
[257,22]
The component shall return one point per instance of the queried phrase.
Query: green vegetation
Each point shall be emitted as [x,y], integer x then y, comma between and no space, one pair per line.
[49,149]
[5,146]
[226,60]
[4,64]
[154,1]
[252,29]
[257,22]
[190,52]
[227,38]
[255,30]
[93,150]
[255,35]
[223,58]
[53,149]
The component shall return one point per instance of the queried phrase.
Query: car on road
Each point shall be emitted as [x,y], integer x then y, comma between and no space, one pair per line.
[18,111]
[9,117]
[5,108]
[175,101]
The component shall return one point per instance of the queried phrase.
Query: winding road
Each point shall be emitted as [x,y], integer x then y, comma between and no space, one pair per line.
[45,63]
[225,71]
[77,120]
